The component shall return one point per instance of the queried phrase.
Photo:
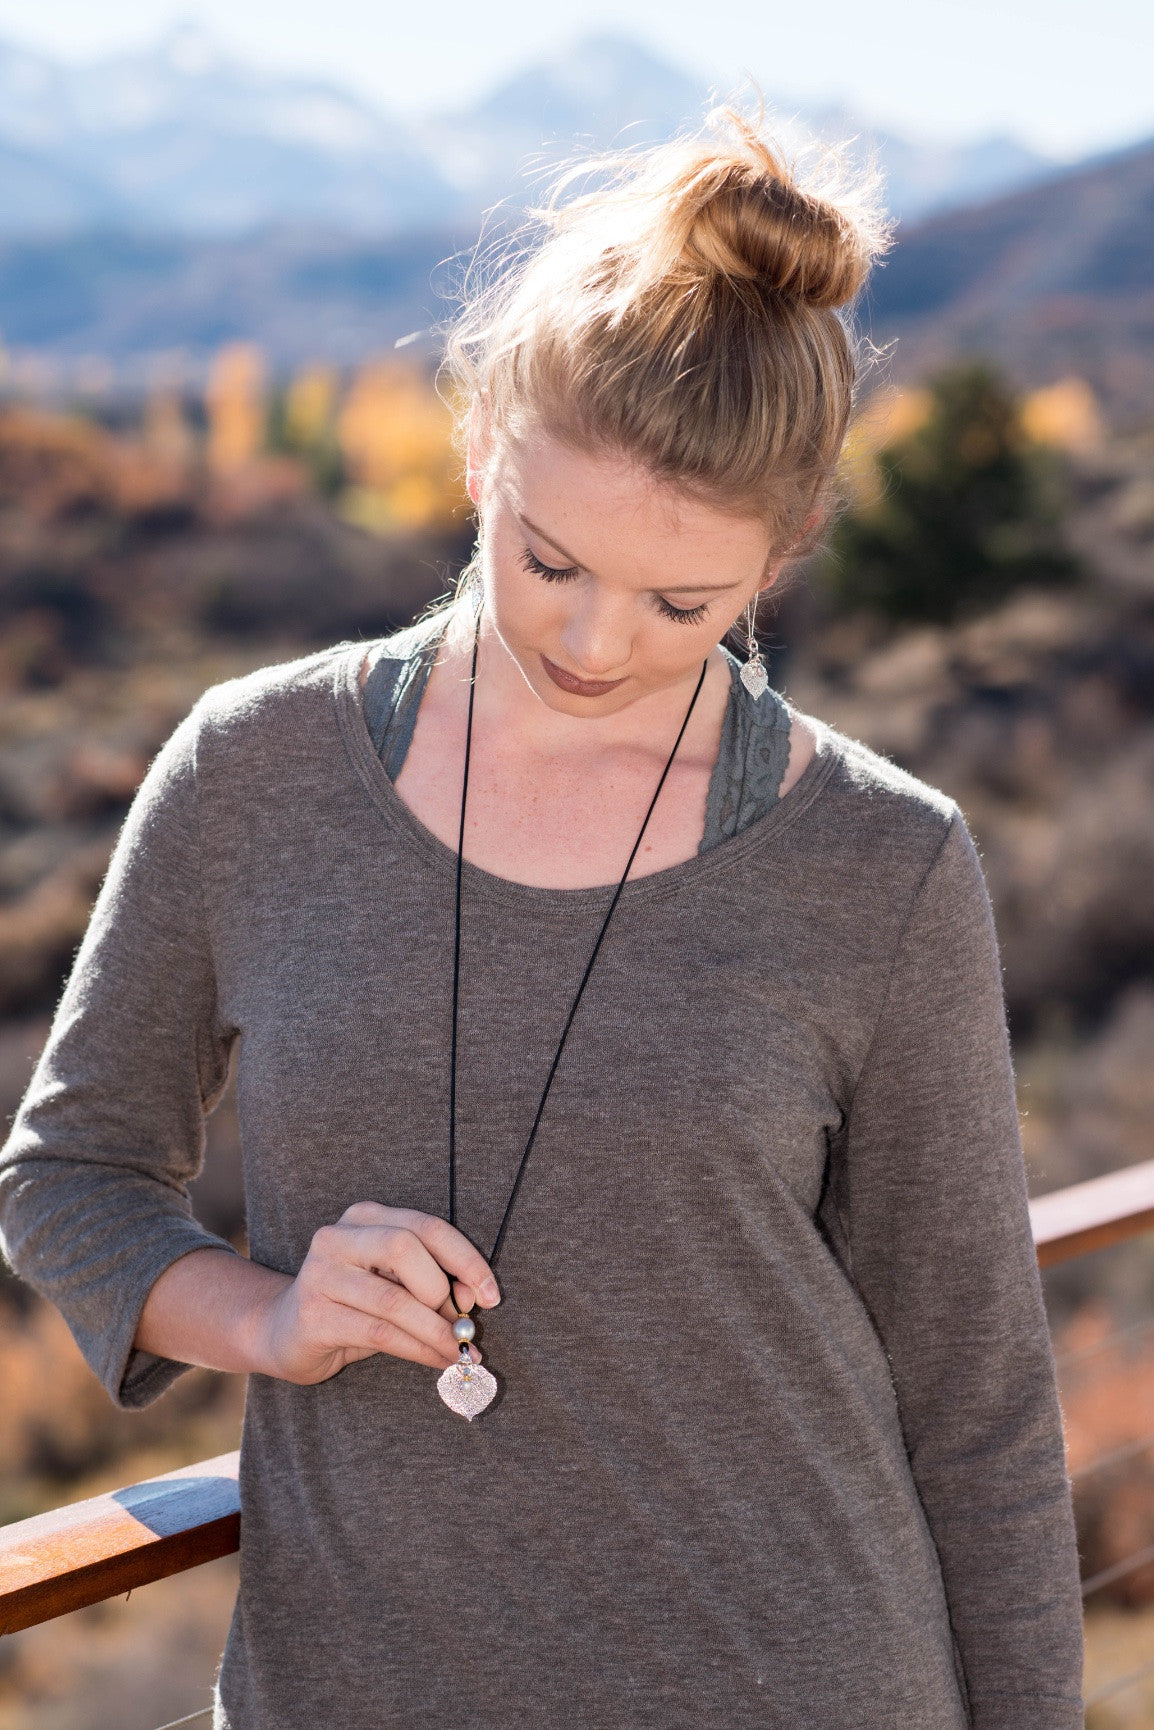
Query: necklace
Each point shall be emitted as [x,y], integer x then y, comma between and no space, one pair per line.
[465,1386]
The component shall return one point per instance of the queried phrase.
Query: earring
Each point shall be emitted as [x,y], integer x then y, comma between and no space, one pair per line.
[473,587]
[753,675]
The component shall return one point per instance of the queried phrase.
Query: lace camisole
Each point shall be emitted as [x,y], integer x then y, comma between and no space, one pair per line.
[747,775]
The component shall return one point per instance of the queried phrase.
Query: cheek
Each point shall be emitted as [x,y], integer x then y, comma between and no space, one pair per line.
[520,602]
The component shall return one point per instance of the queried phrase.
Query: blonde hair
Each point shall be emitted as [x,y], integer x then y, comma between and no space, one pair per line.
[687,313]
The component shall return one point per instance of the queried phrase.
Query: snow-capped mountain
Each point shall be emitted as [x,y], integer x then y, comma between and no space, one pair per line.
[184,137]
[608,91]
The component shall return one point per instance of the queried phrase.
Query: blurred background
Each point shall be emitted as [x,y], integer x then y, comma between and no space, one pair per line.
[226,242]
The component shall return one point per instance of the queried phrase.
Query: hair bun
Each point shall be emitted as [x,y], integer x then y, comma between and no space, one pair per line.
[753,217]
[767,229]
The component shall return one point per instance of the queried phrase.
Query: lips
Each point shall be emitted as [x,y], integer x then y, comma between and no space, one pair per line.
[578,687]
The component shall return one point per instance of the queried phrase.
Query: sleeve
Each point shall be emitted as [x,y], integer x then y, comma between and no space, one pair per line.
[94,1201]
[942,1254]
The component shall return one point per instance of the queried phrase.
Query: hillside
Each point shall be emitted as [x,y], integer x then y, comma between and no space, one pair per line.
[1054,280]
[181,136]
[1058,278]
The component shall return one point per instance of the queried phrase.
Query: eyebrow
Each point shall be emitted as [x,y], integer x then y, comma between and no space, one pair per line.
[666,589]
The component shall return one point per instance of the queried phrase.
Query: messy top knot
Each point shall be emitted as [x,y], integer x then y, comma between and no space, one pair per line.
[686,312]
[760,227]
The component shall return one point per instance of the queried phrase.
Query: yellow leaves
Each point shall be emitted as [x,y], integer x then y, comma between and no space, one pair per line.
[235,403]
[395,437]
[392,432]
[891,416]
[1065,414]
[888,416]
[310,405]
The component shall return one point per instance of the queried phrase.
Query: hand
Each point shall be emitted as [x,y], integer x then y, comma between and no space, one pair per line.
[376,1281]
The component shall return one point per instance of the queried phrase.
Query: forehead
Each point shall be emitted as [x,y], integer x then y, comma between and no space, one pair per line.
[584,502]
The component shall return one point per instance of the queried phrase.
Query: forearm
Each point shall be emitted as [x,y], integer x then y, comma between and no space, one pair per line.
[210,1308]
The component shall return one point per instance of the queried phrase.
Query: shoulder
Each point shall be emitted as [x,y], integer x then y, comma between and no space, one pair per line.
[261,719]
[284,685]
[414,640]
[881,847]
[873,812]
[267,688]
[876,786]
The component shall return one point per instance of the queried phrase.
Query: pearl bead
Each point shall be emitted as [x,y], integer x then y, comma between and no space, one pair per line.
[464,1328]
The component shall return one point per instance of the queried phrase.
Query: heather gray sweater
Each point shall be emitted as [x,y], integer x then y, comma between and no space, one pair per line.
[778,1444]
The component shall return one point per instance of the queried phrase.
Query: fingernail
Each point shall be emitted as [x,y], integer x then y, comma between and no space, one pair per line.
[489,1293]
[474,1354]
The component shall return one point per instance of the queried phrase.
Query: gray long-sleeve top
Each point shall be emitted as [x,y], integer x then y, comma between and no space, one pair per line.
[778,1444]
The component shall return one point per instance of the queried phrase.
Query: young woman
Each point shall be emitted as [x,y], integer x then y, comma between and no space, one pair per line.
[587,997]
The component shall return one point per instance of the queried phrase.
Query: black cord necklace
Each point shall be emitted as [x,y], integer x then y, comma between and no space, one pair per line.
[465,1386]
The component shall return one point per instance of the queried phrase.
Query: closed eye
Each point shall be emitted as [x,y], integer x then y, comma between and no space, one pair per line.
[565,574]
[683,615]
[551,573]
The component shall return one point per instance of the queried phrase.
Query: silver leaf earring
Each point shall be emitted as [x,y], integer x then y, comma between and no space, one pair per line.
[753,674]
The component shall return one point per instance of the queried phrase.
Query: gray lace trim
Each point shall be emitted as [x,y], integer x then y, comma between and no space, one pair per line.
[751,762]
[746,779]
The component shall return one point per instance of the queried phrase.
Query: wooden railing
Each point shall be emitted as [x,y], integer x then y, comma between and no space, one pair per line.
[1093,1215]
[88,1551]
[79,1554]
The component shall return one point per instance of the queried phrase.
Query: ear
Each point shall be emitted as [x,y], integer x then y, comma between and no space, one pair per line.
[774,571]
[480,446]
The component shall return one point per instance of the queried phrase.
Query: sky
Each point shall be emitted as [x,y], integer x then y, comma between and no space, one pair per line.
[1064,76]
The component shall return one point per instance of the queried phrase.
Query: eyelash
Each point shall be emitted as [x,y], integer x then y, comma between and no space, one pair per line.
[551,574]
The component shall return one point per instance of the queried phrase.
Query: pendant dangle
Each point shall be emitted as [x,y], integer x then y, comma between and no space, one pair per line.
[753,674]
[466,1388]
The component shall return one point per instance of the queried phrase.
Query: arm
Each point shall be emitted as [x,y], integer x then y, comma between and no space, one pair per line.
[211,1309]
[94,1204]
[942,1254]
[94,1201]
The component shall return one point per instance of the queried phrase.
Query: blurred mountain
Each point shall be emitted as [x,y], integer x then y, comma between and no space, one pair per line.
[163,202]
[184,137]
[131,297]
[1052,280]
[607,89]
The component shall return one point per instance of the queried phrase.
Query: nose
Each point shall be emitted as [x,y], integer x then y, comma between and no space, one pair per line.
[596,637]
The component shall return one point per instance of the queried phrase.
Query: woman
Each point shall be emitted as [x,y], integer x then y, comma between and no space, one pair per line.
[721,1153]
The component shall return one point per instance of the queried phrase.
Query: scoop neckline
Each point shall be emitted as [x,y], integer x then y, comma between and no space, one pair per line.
[348,698]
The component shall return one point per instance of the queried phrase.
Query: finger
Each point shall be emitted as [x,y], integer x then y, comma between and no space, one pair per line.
[462,1301]
[386,1300]
[357,1330]
[453,1251]
[465,1298]
[399,1253]
[419,1249]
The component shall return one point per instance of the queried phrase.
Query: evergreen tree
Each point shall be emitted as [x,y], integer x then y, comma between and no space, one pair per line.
[968,509]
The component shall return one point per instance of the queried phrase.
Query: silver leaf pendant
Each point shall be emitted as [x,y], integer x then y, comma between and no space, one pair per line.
[755,678]
[466,1388]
